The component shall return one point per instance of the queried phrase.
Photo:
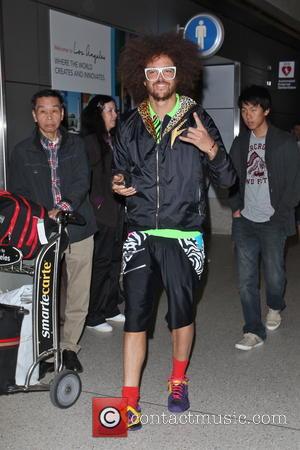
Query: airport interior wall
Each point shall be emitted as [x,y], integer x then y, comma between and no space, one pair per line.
[25,43]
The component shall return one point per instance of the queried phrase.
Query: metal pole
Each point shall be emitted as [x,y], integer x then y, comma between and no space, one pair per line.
[3,124]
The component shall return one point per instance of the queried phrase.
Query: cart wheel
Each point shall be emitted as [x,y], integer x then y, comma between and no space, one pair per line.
[65,389]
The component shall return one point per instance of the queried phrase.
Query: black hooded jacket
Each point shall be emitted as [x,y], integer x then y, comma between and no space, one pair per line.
[169,176]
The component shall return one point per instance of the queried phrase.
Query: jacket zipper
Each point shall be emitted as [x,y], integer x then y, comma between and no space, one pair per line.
[157,169]
[157,187]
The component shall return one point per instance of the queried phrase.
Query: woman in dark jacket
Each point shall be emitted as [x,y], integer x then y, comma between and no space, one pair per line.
[98,123]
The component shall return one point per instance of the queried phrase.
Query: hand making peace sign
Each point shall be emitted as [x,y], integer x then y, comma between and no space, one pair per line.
[200,138]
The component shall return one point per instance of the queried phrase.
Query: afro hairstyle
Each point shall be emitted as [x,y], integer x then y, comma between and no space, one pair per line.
[138,52]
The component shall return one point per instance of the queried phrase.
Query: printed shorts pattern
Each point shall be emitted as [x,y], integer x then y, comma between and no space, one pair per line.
[192,247]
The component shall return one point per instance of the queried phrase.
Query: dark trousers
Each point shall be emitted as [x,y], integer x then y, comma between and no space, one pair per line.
[105,289]
[253,241]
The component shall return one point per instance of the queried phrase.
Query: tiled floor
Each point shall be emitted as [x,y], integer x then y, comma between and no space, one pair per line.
[231,391]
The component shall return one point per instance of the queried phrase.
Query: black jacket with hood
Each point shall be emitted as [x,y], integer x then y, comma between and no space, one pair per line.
[169,176]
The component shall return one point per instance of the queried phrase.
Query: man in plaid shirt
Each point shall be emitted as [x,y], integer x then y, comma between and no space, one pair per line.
[51,168]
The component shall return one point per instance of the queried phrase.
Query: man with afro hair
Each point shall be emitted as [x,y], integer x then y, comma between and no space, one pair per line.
[161,150]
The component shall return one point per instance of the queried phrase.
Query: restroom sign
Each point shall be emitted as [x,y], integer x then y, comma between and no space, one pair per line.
[207,31]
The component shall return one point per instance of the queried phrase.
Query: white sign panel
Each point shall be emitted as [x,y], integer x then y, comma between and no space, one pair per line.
[286,69]
[286,75]
[81,52]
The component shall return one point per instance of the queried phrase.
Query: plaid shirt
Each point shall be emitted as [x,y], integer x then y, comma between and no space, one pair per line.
[51,148]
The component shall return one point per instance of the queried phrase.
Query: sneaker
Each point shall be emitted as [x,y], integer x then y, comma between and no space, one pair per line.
[249,341]
[102,327]
[118,318]
[178,400]
[134,418]
[273,319]
[71,361]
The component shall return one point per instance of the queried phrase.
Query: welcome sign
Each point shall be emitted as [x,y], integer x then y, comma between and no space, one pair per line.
[80,53]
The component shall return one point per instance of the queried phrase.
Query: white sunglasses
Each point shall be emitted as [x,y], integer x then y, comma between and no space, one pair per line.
[152,73]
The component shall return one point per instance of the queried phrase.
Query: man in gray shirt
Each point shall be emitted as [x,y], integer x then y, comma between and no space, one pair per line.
[267,162]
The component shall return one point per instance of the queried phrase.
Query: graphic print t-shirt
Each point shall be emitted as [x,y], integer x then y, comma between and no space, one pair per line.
[257,201]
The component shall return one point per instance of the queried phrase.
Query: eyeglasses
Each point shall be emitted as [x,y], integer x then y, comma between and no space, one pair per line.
[152,73]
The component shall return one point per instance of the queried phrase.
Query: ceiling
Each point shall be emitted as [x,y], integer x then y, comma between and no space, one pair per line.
[277,19]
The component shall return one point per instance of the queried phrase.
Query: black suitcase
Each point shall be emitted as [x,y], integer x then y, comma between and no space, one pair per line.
[11,318]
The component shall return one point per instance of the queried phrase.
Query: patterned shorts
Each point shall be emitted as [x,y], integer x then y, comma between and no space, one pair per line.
[150,260]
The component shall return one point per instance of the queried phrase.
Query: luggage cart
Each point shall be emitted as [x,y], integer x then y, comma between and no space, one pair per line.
[65,385]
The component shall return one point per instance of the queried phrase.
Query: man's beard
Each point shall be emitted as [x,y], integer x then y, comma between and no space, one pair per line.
[162,97]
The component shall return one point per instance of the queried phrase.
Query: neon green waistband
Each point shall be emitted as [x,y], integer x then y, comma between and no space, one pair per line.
[173,234]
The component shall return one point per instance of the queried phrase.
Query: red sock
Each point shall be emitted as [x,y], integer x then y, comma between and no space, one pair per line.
[132,393]
[179,368]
